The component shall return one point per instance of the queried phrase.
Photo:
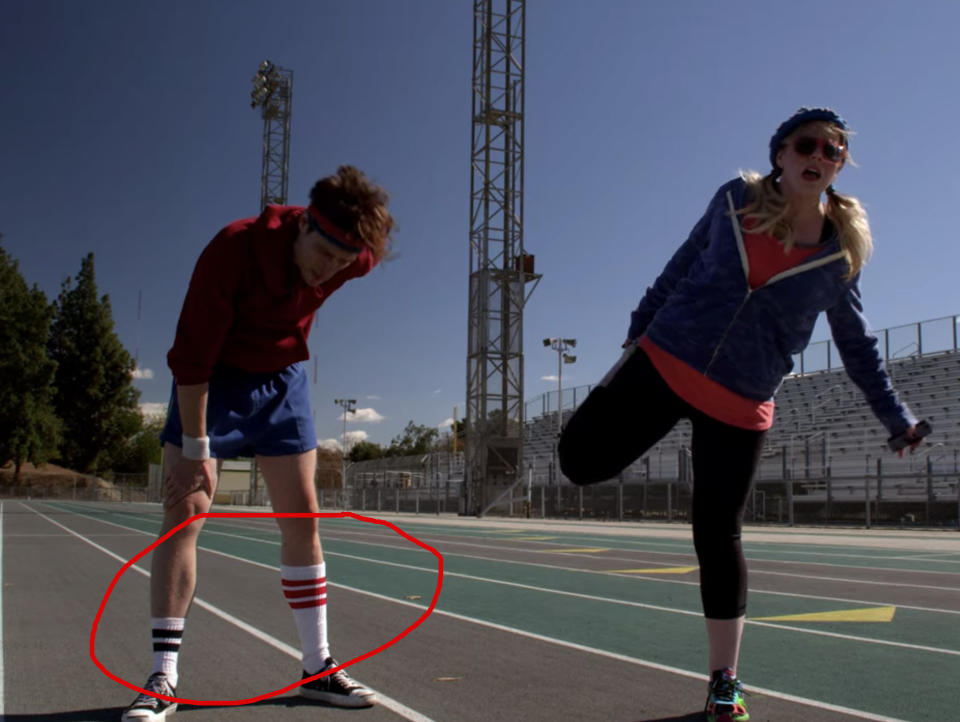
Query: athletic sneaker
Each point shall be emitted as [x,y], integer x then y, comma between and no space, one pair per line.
[725,699]
[151,709]
[337,689]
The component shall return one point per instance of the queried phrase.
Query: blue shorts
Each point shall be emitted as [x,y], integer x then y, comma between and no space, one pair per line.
[252,413]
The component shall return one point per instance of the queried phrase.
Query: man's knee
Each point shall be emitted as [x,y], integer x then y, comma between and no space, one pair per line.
[187,508]
[298,529]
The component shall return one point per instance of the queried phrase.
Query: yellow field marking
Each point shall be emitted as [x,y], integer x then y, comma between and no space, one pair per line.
[869,614]
[658,570]
[587,550]
[531,538]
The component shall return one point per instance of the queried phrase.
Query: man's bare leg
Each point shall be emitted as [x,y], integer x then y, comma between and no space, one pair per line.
[173,569]
[290,480]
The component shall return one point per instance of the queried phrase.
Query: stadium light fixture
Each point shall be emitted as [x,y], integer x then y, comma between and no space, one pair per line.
[265,82]
[349,407]
[560,345]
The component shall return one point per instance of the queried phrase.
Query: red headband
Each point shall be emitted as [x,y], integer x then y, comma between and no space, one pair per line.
[333,234]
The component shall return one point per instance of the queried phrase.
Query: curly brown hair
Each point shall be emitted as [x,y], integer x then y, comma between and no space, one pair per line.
[356,205]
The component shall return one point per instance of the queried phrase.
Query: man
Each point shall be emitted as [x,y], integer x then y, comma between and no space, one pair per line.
[240,389]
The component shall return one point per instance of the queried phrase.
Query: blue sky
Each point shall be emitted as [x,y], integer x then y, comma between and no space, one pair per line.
[127,132]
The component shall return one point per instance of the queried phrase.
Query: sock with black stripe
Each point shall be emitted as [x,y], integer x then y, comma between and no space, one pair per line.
[167,635]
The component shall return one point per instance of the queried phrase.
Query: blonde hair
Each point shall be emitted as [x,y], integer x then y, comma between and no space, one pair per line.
[769,212]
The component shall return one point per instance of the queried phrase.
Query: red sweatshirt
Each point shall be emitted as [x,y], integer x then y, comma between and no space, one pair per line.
[247,305]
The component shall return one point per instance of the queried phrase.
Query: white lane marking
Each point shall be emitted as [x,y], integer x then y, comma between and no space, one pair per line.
[579,647]
[796,595]
[383,700]
[952,557]
[805,701]
[678,581]
[686,553]
[622,602]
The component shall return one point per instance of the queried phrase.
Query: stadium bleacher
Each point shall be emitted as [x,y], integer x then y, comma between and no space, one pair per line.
[823,428]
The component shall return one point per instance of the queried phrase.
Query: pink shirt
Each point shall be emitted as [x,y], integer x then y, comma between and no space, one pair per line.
[765,259]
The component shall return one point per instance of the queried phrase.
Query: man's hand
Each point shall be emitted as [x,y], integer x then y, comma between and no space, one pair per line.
[188,476]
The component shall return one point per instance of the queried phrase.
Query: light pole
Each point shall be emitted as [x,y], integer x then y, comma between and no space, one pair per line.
[349,407]
[560,345]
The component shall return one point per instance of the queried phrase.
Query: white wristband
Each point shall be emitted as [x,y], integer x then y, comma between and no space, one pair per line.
[196,449]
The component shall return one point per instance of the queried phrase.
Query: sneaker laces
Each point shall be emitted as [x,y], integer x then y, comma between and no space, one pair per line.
[157,683]
[344,680]
[725,690]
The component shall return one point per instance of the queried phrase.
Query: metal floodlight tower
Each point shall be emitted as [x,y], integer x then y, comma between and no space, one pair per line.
[273,94]
[499,268]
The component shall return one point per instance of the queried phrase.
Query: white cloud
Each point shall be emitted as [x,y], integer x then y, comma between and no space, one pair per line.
[446,424]
[153,408]
[364,416]
[143,373]
[353,438]
[329,444]
[437,391]
[549,378]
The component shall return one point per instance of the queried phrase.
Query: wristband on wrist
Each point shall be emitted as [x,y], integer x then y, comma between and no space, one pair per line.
[196,449]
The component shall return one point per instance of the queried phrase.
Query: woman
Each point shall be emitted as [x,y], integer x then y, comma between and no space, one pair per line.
[711,341]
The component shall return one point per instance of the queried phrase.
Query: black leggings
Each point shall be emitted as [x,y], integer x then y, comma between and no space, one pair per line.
[619,422]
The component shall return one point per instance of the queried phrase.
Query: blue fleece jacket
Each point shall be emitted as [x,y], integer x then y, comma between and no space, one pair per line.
[702,310]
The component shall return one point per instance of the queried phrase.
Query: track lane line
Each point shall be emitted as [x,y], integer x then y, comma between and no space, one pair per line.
[684,551]
[796,595]
[383,700]
[861,714]
[609,600]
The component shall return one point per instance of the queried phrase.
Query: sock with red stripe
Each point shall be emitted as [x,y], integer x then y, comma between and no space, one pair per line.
[305,589]
[167,635]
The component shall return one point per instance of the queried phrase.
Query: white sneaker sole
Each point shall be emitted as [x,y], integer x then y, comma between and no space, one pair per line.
[146,715]
[340,700]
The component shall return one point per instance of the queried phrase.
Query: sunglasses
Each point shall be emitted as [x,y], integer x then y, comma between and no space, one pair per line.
[806,145]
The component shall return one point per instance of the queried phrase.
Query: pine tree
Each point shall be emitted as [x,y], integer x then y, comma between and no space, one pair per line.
[95,396]
[29,428]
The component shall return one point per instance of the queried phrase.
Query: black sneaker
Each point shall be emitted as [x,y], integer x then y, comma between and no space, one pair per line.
[151,709]
[337,689]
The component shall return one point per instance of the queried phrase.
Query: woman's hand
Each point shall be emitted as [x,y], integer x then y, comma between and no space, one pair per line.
[913,437]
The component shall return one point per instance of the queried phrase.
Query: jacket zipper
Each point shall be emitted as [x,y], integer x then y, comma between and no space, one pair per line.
[742,249]
[716,350]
